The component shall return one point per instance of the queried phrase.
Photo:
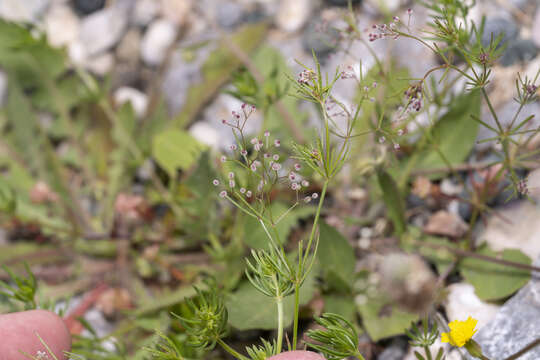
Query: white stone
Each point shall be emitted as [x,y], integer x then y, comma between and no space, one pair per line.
[462,302]
[157,39]
[23,10]
[129,48]
[206,134]
[103,29]
[3,87]
[175,10]
[101,64]
[292,15]
[61,25]
[145,11]
[515,226]
[77,53]
[138,99]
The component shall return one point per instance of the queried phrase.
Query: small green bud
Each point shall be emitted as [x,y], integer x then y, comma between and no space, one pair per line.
[474,349]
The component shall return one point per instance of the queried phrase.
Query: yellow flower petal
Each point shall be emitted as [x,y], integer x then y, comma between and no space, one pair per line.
[460,332]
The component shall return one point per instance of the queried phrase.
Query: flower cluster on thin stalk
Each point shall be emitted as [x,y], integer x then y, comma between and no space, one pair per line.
[260,166]
[390,30]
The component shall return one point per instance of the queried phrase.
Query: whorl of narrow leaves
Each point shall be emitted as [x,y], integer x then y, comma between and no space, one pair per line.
[424,337]
[262,352]
[270,272]
[208,321]
[337,340]
[25,289]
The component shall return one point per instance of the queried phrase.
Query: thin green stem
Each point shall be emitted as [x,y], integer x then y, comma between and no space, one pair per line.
[231,351]
[296,313]
[279,302]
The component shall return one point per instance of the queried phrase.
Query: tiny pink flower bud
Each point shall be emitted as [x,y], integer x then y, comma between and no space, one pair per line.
[242,190]
[267,133]
[314,195]
[215,182]
[243,106]
[400,132]
[231,183]
[231,175]
[224,122]
[223,159]
[243,152]
[222,194]
[248,193]
[382,139]
[275,157]
[374,85]
[295,186]
[396,19]
[253,167]
[266,156]
[307,199]
[233,147]
[277,143]
[305,183]
[409,11]
[254,141]
[276,166]
[396,146]
[292,176]
[297,167]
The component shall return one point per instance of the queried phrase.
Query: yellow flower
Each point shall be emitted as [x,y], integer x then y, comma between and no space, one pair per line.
[460,332]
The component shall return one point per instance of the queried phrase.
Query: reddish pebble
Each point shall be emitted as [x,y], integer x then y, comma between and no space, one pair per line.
[18,333]
[297,355]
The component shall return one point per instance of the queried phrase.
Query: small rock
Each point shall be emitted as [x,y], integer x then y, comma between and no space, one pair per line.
[321,39]
[343,2]
[157,39]
[515,226]
[101,64]
[178,79]
[292,15]
[536,28]
[138,99]
[206,134]
[3,87]
[446,224]
[145,11]
[229,14]
[421,187]
[99,323]
[62,26]
[515,326]
[408,280]
[86,7]
[450,188]
[23,11]
[461,302]
[103,29]
[112,301]
[396,350]
[129,48]
[519,51]
[497,26]
[175,10]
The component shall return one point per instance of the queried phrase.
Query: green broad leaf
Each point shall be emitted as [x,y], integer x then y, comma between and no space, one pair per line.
[495,281]
[451,139]
[335,255]
[382,319]
[340,304]
[175,149]
[254,234]
[250,309]
[393,200]
[217,70]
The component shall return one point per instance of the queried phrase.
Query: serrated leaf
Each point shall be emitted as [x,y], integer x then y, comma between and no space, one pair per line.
[175,149]
[335,254]
[495,281]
